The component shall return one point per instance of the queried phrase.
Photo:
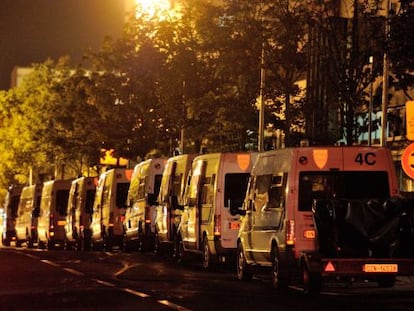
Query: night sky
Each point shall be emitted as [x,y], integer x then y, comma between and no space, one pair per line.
[33,30]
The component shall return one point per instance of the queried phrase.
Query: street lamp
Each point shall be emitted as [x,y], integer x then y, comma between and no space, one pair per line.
[261,102]
[385,78]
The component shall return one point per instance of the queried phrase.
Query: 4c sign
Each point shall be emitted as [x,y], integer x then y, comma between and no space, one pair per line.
[407,160]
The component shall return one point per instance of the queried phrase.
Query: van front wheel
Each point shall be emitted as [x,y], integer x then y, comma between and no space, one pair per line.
[277,280]
[243,273]
[206,261]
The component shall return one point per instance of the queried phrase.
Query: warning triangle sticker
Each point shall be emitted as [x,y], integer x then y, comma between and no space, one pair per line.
[329,267]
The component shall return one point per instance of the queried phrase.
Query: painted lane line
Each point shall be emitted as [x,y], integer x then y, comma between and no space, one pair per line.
[73,271]
[173,305]
[104,283]
[32,256]
[51,263]
[136,293]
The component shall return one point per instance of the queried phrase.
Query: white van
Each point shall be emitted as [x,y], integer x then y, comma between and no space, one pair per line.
[53,212]
[80,207]
[109,208]
[142,195]
[210,222]
[11,205]
[29,208]
[171,199]
[319,212]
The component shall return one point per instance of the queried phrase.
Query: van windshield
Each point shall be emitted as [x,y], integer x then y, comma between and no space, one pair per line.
[347,185]
[122,194]
[235,189]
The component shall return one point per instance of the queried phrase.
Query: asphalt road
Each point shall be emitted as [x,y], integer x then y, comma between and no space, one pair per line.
[70,280]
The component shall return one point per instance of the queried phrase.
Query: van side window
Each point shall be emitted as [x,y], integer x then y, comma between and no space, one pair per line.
[235,186]
[277,191]
[176,187]
[141,189]
[207,193]
[261,190]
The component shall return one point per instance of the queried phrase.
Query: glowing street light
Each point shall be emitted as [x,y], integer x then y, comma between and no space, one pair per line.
[153,7]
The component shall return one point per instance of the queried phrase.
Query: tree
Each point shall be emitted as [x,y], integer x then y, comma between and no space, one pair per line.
[401,47]
[339,72]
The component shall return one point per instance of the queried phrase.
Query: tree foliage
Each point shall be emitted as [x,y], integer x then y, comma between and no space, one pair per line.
[194,80]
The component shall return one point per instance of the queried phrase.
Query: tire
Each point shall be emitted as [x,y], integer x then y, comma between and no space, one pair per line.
[278,281]
[243,273]
[51,245]
[86,241]
[140,240]
[206,260]
[312,282]
[157,245]
[178,251]
[108,242]
[125,244]
[386,281]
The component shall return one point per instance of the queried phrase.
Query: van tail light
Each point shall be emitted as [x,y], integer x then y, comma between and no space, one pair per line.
[217,225]
[290,232]
[51,221]
[111,219]
[122,218]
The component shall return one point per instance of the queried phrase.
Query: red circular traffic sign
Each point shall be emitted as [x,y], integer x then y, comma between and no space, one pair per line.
[407,160]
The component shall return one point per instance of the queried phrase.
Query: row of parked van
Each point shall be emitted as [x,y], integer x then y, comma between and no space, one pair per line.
[308,212]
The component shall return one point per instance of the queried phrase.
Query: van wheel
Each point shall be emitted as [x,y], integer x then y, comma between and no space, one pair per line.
[157,245]
[50,245]
[140,241]
[86,241]
[277,280]
[206,260]
[312,282]
[179,252]
[125,244]
[386,281]
[243,273]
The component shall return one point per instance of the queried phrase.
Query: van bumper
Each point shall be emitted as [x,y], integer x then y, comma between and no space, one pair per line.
[223,251]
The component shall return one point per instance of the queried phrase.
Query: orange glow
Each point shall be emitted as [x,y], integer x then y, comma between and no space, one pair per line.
[290,232]
[329,267]
[151,7]
[309,234]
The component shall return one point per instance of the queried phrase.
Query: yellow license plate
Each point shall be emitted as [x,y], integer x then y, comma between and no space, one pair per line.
[380,268]
[234,225]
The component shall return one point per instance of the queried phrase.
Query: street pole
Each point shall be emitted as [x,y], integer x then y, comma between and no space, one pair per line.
[385,78]
[261,101]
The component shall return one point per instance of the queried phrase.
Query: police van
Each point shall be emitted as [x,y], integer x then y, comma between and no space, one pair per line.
[80,204]
[28,213]
[11,205]
[171,199]
[313,213]
[109,208]
[210,222]
[139,222]
[52,215]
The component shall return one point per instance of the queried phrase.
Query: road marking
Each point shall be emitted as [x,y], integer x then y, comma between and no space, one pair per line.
[51,263]
[136,293]
[173,305]
[73,271]
[32,256]
[104,283]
